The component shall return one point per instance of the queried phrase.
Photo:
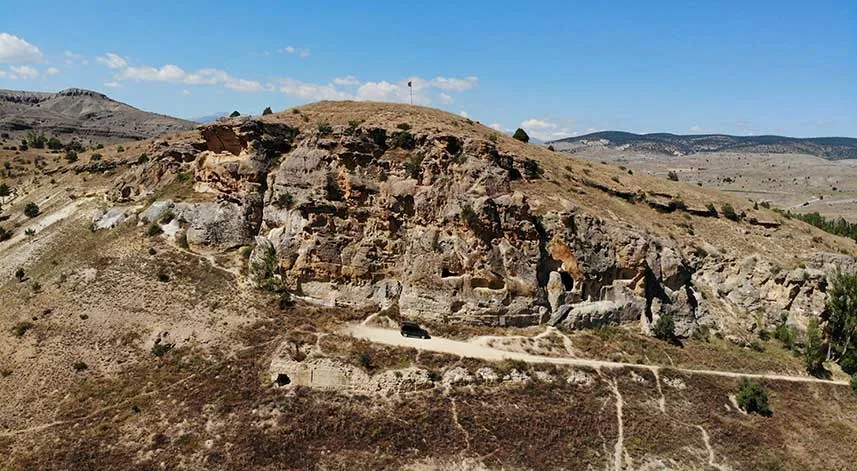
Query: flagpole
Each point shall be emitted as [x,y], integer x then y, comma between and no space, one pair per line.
[411,90]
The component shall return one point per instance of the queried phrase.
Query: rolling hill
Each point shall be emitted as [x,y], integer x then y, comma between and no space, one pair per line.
[833,148]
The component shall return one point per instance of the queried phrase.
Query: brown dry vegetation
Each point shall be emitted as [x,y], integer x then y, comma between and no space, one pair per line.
[207,403]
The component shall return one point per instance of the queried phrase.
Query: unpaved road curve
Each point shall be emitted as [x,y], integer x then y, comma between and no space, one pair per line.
[472,350]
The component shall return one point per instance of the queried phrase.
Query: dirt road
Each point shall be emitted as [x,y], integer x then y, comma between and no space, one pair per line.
[473,350]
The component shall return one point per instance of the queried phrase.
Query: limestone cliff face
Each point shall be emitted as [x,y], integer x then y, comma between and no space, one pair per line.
[433,224]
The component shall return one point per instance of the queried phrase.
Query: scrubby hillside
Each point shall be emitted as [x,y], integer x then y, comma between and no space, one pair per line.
[190,303]
[88,116]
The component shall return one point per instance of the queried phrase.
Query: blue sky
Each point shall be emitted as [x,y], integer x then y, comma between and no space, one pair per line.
[556,68]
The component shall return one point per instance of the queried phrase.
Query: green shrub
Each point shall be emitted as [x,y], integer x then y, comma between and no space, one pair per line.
[182,240]
[403,140]
[324,129]
[753,398]
[729,212]
[787,335]
[5,234]
[31,210]
[711,209]
[21,328]
[813,355]
[664,328]
[285,200]
[532,169]
[267,111]
[5,190]
[54,144]
[521,135]
[80,366]
[854,384]
[120,149]
[468,215]
[159,349]
[155,229]
[414,166]
[403,126]
[234,114]
[142,159]
[19,274]
[672,176]
[36,287]
[95,157]
[71,156]
[551,148]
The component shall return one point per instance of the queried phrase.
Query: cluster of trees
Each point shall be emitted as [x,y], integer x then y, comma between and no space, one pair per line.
[840,226]
[841,328]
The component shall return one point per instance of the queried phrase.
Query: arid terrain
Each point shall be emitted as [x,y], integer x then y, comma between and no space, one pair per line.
[799,183]
[228,297]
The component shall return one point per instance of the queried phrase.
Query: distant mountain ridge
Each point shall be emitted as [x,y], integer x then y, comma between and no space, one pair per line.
[83,113]
[209,118]
[833,148]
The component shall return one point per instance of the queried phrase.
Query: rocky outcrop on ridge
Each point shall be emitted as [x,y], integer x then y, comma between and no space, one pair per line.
[441,227]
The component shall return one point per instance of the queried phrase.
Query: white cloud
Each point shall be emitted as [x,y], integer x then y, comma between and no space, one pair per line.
[463,113]
[25,72]
[72,58]
[348,80]
[15,49]
[534,123]
[52,71]
[113,84]
[498,127]
[242,85]
[300,52]
[167,73]
[186,92]
[112,61]
[446,99]
[454,84]
[311,91]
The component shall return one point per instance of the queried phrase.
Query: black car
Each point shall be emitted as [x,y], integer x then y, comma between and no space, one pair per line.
[412,329]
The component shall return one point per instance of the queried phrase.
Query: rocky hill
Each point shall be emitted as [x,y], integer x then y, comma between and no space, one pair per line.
[84,114]
[193,302]
[828,147]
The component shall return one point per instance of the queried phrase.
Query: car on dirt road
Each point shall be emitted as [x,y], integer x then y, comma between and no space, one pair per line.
[412,329]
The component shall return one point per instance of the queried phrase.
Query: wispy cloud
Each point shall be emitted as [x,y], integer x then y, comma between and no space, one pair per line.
[546,129]
[72,58]
[112,61]
[25,72]
[52,71]
[300,52]
[16,50]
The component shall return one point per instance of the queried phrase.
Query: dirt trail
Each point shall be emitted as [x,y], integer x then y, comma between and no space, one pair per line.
[473,350]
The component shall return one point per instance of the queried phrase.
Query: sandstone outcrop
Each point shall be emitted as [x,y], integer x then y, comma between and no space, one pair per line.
[434,224]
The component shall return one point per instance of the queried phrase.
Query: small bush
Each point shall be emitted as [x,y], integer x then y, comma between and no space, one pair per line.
[672,176]
[155,229]
[182,240]
[54,144]
[664,328]
[403,140]
[403,126]
[19,274]
[234,114]
[551,148]
[468,215]
[324,129]
[31,210]
[729,212]
[532,169]
[71,156]
[95,157]
[163,277]
[267,111]
[5,234]
[21,328]
[753,398]
[787,335]
[854,384]
[142,159]
[353,125]
[414,166]
[5,190]
[285,200]
[521,135]
[80,366]
[813,355]
[30,232]
[711,209]
[36,287]
[159,349]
